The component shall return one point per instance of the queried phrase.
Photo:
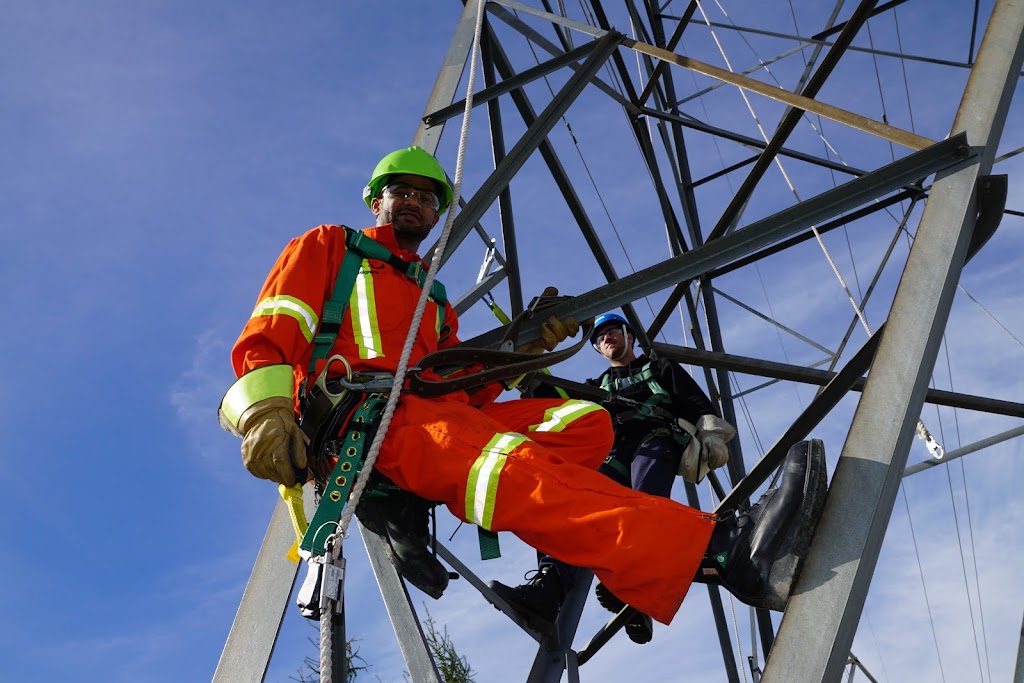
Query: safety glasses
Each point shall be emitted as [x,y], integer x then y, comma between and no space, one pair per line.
[422,197]
[609,332]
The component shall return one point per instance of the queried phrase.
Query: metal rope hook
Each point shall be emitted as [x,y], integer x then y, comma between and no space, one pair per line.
[335,540]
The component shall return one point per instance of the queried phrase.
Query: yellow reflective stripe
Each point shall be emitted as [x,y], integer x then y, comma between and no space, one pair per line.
[293,308]
[363,305]
[558,418]
[482,486]
[254,386]
[440,318]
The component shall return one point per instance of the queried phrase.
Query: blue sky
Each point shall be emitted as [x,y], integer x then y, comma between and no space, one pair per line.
[157,156]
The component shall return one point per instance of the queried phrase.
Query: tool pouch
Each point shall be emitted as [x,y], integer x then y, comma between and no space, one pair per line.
[324,414]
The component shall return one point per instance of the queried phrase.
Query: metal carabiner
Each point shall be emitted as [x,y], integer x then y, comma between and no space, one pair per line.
[321,381]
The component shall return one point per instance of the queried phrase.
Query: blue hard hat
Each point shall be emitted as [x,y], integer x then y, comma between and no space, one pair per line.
[603,320]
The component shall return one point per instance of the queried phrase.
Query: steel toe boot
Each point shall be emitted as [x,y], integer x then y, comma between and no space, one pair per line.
[402,520]
[757,555]
[537,601]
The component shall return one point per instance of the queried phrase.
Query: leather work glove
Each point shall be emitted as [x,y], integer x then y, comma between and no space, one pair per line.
[552,331]
[713,433]
[272,444]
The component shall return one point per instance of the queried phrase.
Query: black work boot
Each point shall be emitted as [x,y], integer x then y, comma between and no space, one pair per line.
[537,601]
[402,519]
[757,555]
[640,627]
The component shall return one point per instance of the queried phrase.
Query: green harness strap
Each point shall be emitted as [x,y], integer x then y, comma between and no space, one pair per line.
[346,470]
[646,375]
[658,396]
[357,247]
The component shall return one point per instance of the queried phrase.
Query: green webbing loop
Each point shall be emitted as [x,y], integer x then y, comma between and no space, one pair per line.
[339,484]
[489,547]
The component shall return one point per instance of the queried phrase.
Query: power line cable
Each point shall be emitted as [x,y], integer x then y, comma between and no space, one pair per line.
[970,529]
[924,588]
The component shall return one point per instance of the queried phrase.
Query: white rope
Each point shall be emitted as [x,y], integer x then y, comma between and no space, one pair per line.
[334,541]
[403,363]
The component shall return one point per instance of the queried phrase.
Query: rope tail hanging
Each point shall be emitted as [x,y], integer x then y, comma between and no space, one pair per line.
[403,363]
[334,542]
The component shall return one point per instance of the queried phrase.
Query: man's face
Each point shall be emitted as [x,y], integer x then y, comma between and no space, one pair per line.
[611,341]
[411,219]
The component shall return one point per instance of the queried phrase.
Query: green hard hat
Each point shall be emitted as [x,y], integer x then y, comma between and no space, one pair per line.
[409,161]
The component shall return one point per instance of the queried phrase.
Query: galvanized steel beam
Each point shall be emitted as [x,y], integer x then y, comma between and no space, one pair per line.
[829,597]
[945,154]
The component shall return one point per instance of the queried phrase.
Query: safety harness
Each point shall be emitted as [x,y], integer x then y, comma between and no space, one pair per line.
[650,410]
[358,247]
[343,413]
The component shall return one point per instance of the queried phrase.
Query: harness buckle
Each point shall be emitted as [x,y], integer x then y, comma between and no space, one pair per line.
[368,382]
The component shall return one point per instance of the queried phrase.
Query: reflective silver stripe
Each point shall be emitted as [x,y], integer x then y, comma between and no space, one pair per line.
[482,485]
[293,308]
[558,418]
[363,305]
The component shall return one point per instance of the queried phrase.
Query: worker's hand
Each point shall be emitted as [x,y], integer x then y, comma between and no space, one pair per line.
[552,331]
[272,443]
[714,433]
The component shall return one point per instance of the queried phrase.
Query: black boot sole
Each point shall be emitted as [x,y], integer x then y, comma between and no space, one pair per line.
[640,628]
[757,555]
[795,542]
[607,599]
[785,569]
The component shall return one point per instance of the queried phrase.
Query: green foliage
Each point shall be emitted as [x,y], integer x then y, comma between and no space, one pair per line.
[453,667]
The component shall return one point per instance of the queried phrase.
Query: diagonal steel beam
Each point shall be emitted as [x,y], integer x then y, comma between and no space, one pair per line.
[829,597]
[447,81]
[514,22]
[694,124]
[671,47]
[789,120]
[554,164]
[943,155]
[517,156]
[250,643]
[801,102]
[505,86]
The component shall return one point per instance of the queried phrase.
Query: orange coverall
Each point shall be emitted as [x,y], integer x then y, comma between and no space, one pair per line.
[524,466]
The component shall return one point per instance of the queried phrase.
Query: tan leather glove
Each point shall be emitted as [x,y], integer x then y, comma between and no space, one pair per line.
[552,331]
[272,444]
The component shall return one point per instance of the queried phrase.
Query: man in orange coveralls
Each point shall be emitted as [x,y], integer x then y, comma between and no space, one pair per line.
[524,466]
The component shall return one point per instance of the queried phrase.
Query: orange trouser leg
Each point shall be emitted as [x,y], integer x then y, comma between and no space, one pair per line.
[575,431]
[646,549]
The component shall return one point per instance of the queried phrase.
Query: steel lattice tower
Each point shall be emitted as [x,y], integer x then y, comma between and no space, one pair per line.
[597,124]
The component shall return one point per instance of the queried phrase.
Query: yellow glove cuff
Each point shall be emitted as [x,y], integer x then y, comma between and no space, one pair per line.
[252,387]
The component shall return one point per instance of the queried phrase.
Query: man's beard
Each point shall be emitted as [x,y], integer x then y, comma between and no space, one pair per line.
[409,224]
